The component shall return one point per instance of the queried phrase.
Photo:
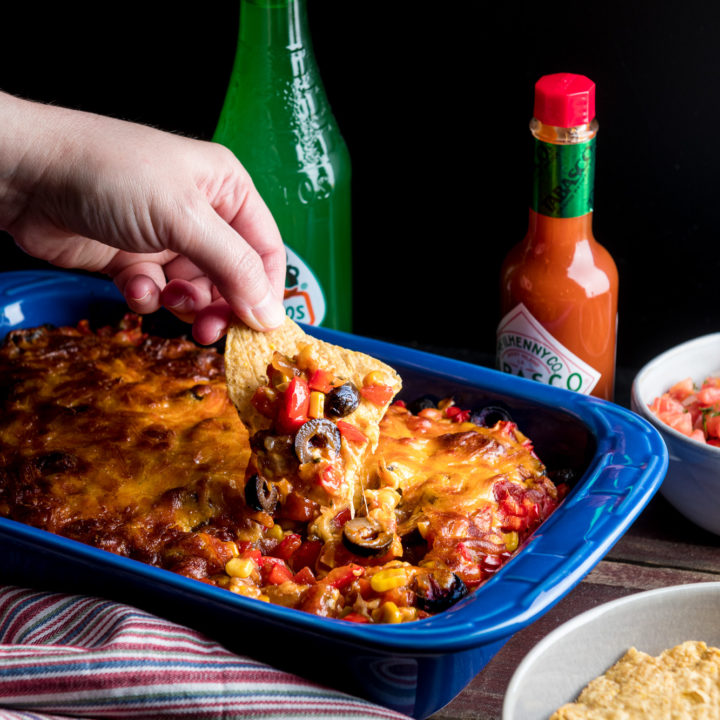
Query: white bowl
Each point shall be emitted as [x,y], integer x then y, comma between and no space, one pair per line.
[556,670]
[692,483]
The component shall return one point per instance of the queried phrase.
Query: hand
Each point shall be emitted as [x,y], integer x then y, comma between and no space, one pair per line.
[174,221]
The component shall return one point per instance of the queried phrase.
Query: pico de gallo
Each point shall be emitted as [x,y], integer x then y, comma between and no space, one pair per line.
[691,410]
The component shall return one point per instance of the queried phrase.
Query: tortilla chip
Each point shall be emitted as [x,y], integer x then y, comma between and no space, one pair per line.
[247,354]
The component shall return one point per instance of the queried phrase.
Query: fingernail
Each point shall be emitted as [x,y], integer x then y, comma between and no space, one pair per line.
[176,303]
[140,299]
[269,313]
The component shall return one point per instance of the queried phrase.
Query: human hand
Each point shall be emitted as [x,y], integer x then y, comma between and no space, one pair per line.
[174,221]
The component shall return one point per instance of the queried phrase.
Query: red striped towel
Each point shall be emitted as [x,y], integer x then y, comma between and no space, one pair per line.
[67,656]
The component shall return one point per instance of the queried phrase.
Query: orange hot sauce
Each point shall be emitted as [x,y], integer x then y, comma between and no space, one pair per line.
[559,286]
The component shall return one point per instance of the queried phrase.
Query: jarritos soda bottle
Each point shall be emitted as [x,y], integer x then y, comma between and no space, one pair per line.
[277,120]
[559,286]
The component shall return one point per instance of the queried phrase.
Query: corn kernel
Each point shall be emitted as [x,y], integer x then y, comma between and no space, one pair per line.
[275,532]
[317,405]
[389,579]
[239,567]
[423,527]
[376,377]
[511,541]
[388,613]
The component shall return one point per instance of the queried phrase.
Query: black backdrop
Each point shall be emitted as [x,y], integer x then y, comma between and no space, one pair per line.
[434,100]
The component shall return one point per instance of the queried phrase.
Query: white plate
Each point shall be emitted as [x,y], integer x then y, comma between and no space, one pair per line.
[556,670]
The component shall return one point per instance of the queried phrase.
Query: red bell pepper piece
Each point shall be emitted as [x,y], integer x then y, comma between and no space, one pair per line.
[306,555]
[293,406]
[356,617]
[274,571]
[341,577]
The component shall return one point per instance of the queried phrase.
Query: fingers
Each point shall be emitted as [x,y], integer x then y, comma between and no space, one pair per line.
[212,322]
[185,298]
[249,279]
[140,282]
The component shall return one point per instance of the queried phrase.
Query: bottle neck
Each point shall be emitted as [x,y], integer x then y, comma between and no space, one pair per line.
[277,24]
[563,170]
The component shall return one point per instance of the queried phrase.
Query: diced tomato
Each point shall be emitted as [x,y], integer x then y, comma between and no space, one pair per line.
[307,554]
[356,617]
[299,508]
[341,577]
[287,546]
[709,395]
[304,577]
[351,433]
[377,394]
[666,404]
[330,479]
[712,426]
[681,390]
[264,400]
[400,403]
[321,380]
[293,406]
[680,421]
[693,413]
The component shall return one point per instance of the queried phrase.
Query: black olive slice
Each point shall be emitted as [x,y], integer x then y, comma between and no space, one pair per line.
[423,402]
[489,416]
[341,400]
[437,591]
[316,434]
[366,537]
[260,494]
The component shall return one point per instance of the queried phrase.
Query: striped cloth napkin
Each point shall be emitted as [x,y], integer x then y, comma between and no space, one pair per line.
[68,656]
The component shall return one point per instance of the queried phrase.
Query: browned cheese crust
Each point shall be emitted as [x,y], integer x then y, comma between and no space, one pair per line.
[119,440]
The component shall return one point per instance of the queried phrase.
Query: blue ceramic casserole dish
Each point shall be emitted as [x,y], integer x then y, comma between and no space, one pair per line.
[415,667]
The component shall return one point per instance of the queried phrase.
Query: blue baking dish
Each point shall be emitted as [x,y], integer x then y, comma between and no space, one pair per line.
[618,458]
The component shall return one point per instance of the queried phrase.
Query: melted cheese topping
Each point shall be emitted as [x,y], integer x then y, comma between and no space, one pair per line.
[445,467]
[122,441]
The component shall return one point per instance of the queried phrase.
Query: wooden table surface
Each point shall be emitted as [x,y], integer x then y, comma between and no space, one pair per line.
[661,548]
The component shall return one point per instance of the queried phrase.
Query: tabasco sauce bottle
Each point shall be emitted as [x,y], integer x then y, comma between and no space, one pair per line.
[559,286]
[277,120]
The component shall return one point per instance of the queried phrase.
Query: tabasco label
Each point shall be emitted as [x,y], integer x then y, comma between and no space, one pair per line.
[304,299]
[563,179]
[526,349]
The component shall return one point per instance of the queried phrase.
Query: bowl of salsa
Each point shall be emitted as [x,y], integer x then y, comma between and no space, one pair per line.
[679,393]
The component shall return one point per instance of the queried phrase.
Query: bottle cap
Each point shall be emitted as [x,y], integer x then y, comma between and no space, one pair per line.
[564,100]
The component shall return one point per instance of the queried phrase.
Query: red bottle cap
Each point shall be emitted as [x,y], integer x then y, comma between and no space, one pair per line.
[564,100]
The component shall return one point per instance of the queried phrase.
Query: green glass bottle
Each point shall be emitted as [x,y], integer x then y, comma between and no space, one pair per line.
[277,120]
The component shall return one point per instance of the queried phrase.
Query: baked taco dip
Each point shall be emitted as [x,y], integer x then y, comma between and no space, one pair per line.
[286,470]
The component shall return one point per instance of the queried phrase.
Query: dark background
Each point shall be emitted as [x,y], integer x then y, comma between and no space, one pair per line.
[434,100]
